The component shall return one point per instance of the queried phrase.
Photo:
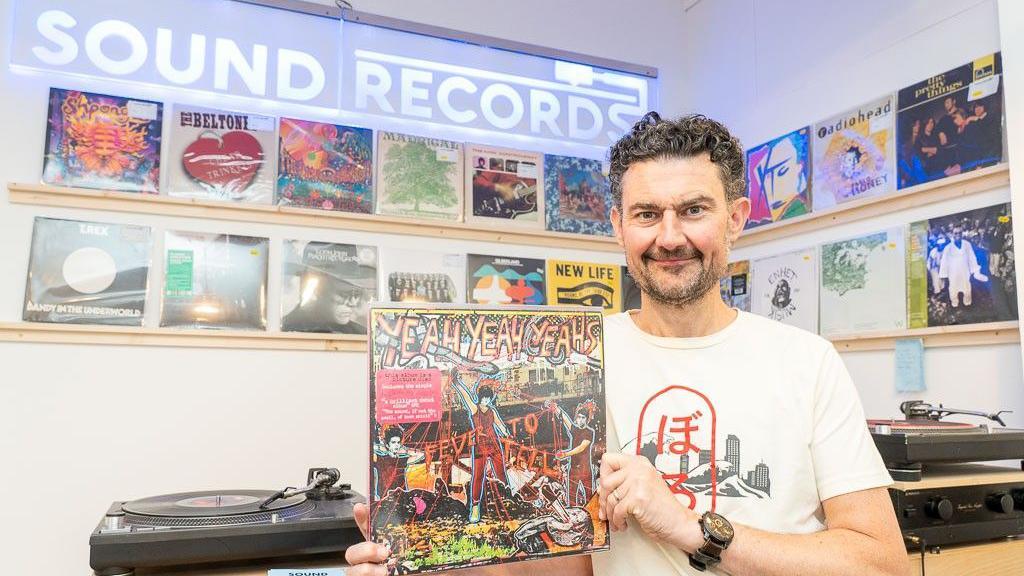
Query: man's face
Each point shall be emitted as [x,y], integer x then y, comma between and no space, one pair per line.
[394,444]
[676,227]
[958,234]
[950,104]
[344,304]
[581,420]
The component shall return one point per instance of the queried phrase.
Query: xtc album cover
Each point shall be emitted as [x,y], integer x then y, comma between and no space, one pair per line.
[960,269]
[577,195]
[632,296]
[735,285]
[778,178]
[487,428]
[419,177]
[214,281]
[219,155]
[785,288]
[501,185]
[504,280]
[325,166]
[585,284]
[87,273]
[951,123]
[855,154]
[104,142]
[864,284]
[422,276]
[327,287]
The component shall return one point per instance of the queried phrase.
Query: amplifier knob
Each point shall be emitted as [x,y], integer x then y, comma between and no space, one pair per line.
[1000,502]
[940,508]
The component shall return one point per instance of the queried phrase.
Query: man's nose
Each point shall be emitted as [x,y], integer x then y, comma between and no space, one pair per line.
[671,233]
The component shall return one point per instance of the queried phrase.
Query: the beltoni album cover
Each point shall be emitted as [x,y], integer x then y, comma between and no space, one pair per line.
[504,280]
[855,154]
[325,166]
[419,177]
[87,273]
[327,287]
[577,195]
[778,178]
[501,185]
[104,142]
[487,426]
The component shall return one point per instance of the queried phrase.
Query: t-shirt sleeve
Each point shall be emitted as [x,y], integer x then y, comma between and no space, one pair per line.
[844,455]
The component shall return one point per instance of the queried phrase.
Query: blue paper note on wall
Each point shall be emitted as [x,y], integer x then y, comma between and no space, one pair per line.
[910,365]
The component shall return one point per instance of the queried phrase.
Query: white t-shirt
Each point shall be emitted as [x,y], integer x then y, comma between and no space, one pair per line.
[760,422]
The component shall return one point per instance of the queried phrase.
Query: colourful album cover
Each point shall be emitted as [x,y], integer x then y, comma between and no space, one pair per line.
[577,195]
[327,287]
[501,185]
[422,276]
[951,123]
[735,285]
[87,273]
[103,142]
[785,288]
[585,284]
[325,166]
[485,444]
[855,154]
[863,284]
[220,155]
[632,296]
[214,281]
[419,177]
[778,178]
[960,269]
[504,280]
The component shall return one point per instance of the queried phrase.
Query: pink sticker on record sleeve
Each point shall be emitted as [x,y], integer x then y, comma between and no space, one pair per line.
[408,396]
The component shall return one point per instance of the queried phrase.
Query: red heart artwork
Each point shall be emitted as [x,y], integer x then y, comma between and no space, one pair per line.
[227,162]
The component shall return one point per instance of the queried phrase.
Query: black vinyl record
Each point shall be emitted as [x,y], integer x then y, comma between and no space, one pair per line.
[215,506]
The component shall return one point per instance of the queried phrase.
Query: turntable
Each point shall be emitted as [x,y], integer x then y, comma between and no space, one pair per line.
[225,526]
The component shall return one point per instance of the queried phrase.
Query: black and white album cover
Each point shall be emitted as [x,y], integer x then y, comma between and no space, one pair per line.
[87,273]
[327,287]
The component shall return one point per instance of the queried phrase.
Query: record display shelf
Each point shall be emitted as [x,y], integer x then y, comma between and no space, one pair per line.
[933,337]
[57,196]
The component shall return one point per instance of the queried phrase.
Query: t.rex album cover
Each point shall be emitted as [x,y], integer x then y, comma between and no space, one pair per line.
[214,281]
[864,284]
[785,288]
[487,426]
[422,276]
[778,178]
[855,154]
[951,123]
[325,166]
[501,185]
[87,273]
[220,155]
[735,285]
[504,280]
[327,287]
[103,142]
[577,195]
[585,284]
[419,177]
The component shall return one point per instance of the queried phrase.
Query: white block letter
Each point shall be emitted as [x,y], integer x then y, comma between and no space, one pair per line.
[378,90]
[107,28]
[196,58]
[487,98]
[410,92]
[289,59]
[49,24]
[228,56]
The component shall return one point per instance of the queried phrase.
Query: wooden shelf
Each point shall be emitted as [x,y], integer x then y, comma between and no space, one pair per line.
[936,337]
[965,184]
[130,336]
[43,195]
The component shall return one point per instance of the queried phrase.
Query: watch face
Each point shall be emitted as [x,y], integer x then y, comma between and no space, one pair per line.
[718,527]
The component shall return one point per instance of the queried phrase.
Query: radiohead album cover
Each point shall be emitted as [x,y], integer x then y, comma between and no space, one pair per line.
[577,195]
[501,185]
[218,155]
[214,281]
[951,123]
[864,284]
[419,177]
[487,427]
[585,284]
[504,280]
[327,287]
[785,288]
[325,166]
[778,178]
[87,273]
[960,268]
[855,154]
[423,276]
[735,285]
[103,142]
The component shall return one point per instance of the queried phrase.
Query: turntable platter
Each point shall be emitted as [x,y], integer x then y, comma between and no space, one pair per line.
[215,506]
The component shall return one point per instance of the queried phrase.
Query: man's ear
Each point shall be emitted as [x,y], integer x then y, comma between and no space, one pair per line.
[616,218]
[739,212]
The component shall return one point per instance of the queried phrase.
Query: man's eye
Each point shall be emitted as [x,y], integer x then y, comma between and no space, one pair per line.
[695,210]
[646,215]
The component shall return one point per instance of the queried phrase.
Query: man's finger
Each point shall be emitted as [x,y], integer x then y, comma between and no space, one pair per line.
[366,553]
[611,462]
[362,514]
[366,570]
[619,512]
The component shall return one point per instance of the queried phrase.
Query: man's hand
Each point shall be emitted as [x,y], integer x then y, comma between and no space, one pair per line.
[366,558]
[632,487]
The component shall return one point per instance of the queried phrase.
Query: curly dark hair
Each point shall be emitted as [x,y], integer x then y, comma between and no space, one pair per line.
[689,136]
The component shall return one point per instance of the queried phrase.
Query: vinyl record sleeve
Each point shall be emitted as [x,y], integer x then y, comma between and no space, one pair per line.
[103,142]
[87,273]
[504,280]
[214,281]
[855,154]
[502,186]
[325,166]
[785,288]
[863,284]
[577,195]
[484,445]
[632,296]
[735,285]
[419,177]
[779,178]
[422,276]
[585,284]
[222,155]
[327,287]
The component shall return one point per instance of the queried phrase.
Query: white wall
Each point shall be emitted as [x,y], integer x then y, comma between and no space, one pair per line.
[766,67]
[82,426]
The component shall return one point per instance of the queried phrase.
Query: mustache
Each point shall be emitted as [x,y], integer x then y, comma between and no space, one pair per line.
[678,254]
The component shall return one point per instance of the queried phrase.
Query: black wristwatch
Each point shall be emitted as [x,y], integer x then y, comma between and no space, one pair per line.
[718,535]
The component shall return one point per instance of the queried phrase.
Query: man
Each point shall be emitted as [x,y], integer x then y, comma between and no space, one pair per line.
[579,467]
[391,461]
[749,418]
[957,266]
[487,425]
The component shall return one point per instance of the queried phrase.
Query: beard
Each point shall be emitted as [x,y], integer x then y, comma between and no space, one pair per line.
[706,278]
